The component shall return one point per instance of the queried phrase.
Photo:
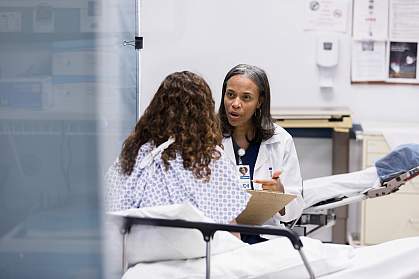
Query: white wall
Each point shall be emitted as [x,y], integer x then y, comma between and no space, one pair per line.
[209,37]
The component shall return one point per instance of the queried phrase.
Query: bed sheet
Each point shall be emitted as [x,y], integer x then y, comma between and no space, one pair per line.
[272,259]
[397,259]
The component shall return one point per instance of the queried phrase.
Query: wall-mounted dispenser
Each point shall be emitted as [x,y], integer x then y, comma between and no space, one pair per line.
[327,59]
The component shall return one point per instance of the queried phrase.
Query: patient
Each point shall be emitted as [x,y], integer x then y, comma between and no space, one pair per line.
[173,156]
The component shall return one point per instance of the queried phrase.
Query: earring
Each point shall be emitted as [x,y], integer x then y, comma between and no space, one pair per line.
[258,113]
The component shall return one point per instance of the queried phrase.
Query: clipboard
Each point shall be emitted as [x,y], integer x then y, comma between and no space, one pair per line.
[262,206]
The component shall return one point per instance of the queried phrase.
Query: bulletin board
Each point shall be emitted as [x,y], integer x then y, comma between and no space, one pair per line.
[385,38]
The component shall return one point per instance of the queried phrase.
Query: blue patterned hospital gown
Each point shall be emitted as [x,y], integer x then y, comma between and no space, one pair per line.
[221,199]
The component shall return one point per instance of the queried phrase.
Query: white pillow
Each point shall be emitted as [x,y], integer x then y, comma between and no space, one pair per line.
[152,243]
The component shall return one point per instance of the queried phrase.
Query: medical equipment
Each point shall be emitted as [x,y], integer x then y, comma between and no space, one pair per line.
[321,215]
[393,184]
[385,188]
[324,194]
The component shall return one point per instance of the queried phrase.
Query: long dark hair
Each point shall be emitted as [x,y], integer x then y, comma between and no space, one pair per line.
[182,108]
[262,120]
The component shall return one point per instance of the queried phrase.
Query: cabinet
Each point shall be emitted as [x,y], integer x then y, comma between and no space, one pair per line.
[335,122]
[390,217]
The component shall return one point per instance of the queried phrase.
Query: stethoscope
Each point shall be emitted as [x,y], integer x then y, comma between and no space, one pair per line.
[241,153]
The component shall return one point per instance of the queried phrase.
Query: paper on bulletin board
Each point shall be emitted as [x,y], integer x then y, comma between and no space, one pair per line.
[262,206]
[326,15]
[368,61]
[370,19]
[404,20]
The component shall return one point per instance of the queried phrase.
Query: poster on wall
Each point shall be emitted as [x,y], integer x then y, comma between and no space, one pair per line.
[402,62]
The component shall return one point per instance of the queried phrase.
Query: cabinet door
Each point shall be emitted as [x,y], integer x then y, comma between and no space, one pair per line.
[393,216]
[390,217]
[374,148]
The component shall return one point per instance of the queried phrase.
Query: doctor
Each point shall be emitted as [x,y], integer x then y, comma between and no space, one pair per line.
[252,139]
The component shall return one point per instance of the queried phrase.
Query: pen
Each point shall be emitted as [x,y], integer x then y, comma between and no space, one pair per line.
[264,181]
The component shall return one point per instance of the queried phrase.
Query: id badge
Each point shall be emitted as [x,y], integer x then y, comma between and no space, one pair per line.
[243,172]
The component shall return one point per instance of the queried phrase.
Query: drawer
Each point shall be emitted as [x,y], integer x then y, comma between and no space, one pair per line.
[389,218]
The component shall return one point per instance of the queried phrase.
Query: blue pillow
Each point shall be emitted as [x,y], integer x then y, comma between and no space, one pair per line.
[401,159]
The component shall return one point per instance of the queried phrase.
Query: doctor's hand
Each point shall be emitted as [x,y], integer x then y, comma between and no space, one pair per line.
[272,185]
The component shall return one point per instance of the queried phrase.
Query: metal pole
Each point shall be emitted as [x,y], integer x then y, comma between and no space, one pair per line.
[208,257]
[307,265]
[124,252]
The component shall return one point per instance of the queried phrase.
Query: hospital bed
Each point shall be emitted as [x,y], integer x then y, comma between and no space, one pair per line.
[322,195]
[343,261]
[275,258]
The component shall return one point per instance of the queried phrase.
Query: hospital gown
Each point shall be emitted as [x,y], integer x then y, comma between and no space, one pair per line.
[221,198]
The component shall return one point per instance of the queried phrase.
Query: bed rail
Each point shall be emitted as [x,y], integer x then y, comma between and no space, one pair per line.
[393,184]
[208,230]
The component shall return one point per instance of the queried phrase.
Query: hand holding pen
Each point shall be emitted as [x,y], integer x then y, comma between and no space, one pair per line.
[272,185]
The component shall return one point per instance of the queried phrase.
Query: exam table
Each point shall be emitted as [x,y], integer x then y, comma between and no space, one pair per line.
[326,193]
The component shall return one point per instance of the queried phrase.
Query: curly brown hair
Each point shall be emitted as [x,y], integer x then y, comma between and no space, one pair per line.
[182,108]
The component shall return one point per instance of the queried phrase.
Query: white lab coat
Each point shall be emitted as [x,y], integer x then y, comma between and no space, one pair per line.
[279,153]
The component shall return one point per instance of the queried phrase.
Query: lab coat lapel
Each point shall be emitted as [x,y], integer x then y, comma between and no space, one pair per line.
[263,156]
[228,149]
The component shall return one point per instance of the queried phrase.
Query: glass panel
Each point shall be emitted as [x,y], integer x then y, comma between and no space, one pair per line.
[67,87]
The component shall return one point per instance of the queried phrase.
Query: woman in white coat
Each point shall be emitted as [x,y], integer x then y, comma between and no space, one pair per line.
[251,138]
